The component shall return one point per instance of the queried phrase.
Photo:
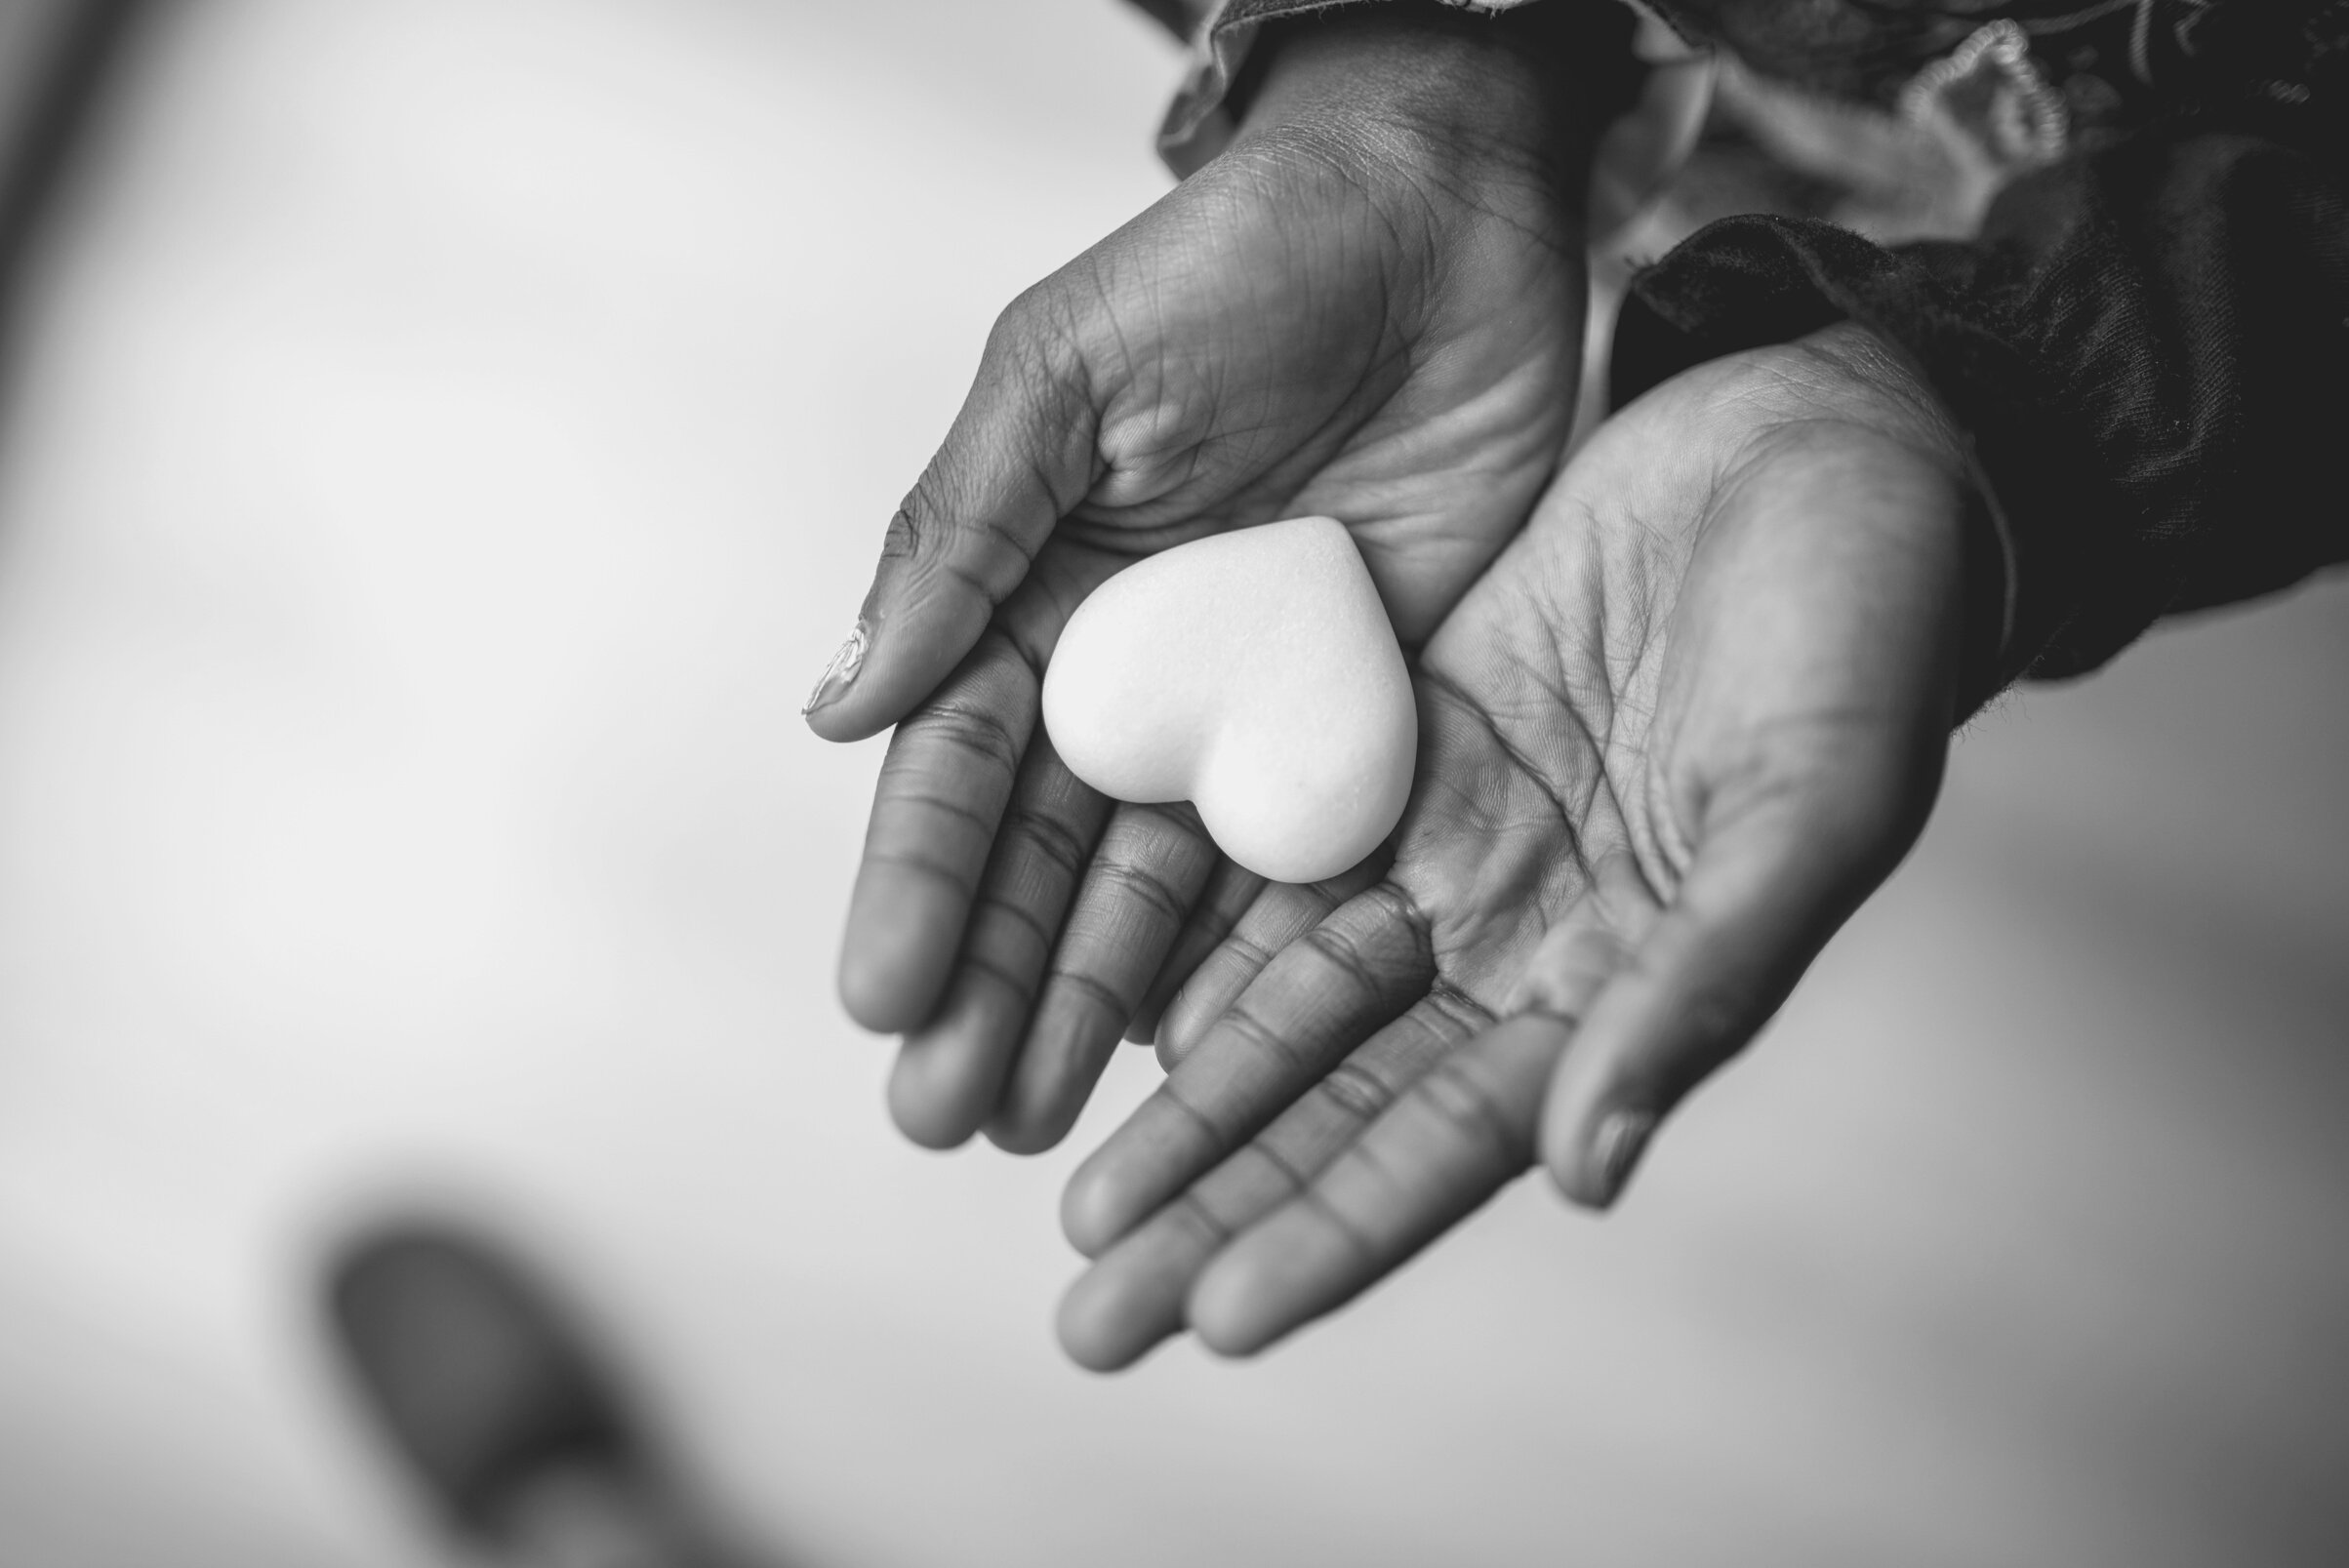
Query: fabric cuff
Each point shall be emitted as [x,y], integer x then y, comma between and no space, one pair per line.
[1662,88]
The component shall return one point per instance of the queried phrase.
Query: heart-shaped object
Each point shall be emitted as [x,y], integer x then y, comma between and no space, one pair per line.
[1254,674]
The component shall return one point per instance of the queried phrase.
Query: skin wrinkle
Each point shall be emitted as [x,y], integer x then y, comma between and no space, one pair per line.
[1341,1223]
[1344,951]
[1457,1007]
[1251,1031]
[1216,1135]
[998,923]
[1031,872]
[1264,1150]
[1229,896]
[1374,392]
[1163,899]
[980,965]
[1362,1154]
[1024,825]
[1032,620]
[1469,929]
[1190,1211]
[900,540]
[1458,1095]
[1357,1091]
[1620,758]
[1087,990]
[964,883]
[971,730]
[1241,957]
[1466,708]
[930,800]
[1235,1192]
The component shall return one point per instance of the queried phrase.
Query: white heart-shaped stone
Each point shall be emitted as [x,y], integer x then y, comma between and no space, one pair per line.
[1254,674]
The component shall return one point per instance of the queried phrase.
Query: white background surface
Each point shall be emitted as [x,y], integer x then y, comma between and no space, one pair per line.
[453,435]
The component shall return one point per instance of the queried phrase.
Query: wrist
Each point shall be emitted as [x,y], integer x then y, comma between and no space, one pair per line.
[1419,83]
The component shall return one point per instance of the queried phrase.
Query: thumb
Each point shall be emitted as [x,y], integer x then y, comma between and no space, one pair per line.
[1772,878]
[1017,458]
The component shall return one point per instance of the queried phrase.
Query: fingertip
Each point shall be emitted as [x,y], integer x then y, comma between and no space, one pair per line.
[843,721]
[1230,1311]
[948,1075]
[896,956]
[884,993]
[1188,1014]
[896,680]
[1028,1129]
[1092,1213]
[1132,1298]
[1106,1324]
[932,1107]
[1592,1154]
[828,711]
[1136,1171]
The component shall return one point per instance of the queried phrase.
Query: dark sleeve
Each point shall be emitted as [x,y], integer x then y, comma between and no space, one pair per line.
[2149,347]
[1182,17]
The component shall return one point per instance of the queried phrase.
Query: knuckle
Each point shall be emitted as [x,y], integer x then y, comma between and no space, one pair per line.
[1049,838]
[1213,1132]
[902,539]
[1464,1103]
[1036,336]
[1357,1092]
[998,920]
[1341,1224]
[1253,1032]
[1120,882]
[1092,994]
[1190,1216]
[1337,947]
[975,729]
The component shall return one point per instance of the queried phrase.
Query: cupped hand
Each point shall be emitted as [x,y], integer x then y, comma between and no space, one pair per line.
[1687,722]
[1369,306]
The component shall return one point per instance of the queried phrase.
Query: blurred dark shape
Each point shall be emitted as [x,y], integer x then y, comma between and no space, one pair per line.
[518,1432]
[57,60]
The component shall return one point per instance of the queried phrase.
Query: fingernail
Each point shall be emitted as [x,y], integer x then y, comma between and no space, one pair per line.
[846,660]
[1615,1150]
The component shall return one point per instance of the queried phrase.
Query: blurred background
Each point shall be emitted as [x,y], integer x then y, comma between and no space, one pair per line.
[444,438]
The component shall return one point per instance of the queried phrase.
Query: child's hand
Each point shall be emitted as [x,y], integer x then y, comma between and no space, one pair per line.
[1687,722]
[1370,307]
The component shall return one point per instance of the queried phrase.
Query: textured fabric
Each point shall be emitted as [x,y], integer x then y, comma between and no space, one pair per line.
[2148,346]
[2117,64]
[2149,335]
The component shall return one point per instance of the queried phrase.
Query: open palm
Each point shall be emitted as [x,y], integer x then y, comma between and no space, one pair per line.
[1691,718]
[1352,311]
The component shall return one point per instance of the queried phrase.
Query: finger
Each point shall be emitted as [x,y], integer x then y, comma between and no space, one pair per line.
[1019,456]
[1771,881]
[1314,1002]
[1134,1296]
[1458,1135]
[1232,889]
[1151,869]
[950,1073]
[1282,913]
[935,808]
